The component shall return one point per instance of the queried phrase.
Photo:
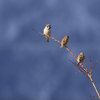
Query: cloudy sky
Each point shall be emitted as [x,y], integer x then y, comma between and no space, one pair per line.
[31,68]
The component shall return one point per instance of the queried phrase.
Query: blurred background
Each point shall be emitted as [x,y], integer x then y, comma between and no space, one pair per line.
[31,68]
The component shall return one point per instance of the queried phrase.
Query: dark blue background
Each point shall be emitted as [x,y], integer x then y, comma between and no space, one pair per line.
[31,68]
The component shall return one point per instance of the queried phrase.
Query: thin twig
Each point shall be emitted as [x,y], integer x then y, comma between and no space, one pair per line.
[91,97]
[90,63]
[81,69]
[94,65]
[47,36]
[86,65]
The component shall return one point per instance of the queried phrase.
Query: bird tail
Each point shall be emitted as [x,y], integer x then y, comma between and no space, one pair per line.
[61,47]
[47,39]
[78,63]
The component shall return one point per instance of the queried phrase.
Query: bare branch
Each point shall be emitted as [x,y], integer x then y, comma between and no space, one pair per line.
[94,65]
[90,63]
[78,72]
[80,68]
[47,36]
[86,64]
[91,97]
[37,31]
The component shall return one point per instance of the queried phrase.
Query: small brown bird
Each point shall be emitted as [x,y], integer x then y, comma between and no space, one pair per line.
[64,41]
[81,58]
[47,31]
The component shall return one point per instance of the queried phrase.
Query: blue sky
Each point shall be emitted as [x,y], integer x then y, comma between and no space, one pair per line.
[31,68]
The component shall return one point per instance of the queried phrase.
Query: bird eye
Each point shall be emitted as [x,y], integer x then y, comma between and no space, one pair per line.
[49,27]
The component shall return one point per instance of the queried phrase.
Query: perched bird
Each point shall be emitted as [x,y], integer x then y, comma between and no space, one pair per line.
[81,58]
[64,41]
[47,31]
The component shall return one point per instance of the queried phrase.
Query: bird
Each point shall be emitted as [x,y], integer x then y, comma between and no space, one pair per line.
[80,58]
[47,31]
[64,41]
